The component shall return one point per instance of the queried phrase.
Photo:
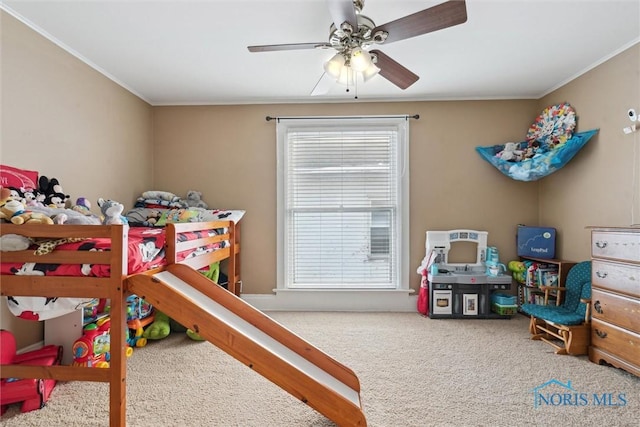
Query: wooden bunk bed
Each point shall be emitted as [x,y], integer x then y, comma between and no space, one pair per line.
[112,287]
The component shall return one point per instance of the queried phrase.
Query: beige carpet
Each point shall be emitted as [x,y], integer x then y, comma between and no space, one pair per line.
[413,371]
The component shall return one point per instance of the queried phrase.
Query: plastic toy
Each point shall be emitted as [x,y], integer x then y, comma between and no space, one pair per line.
[139,314]
[92,348]
[33,393]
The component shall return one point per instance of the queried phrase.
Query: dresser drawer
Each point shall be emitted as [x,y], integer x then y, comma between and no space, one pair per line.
[616,309]
[622,278]
[615,245]
[615,340]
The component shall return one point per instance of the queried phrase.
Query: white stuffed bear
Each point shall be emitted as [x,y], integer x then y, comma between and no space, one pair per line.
[510,153]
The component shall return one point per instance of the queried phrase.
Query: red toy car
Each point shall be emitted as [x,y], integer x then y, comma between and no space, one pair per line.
[33,393]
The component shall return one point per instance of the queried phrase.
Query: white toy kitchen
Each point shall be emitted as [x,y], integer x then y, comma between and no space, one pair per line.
[463,289]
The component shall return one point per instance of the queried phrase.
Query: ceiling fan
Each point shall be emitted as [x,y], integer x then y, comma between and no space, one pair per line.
[352,34]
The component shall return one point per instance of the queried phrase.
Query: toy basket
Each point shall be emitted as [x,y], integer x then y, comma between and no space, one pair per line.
[504,310]
[503,299]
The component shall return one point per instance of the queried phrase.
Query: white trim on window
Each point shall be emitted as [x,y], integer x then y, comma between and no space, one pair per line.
[291,241]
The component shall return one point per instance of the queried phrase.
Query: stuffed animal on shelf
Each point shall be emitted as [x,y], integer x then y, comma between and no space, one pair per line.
[194,200]
[15,212]
[111,212]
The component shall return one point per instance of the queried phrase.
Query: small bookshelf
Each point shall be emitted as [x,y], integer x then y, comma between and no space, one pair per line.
[547,272]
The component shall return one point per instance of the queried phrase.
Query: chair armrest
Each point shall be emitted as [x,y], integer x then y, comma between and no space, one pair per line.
[587,313]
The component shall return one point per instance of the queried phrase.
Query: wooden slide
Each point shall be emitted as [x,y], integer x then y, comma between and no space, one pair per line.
[254,339]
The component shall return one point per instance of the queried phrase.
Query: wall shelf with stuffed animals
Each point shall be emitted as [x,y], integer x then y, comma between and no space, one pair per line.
[550,144]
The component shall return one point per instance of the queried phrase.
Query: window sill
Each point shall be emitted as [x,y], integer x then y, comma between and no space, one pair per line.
[400,300]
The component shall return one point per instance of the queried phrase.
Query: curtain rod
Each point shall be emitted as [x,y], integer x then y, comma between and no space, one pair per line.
[415,116]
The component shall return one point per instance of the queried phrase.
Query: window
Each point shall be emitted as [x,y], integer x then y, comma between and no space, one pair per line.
[380,234]
[342,204]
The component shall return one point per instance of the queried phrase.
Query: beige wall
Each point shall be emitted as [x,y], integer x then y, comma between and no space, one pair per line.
[229,153]
[68,121]
[601,185]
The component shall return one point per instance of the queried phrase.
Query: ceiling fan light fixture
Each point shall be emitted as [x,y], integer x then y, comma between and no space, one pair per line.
[360,59]
[334,66]
[347,77]
[379,36]
[346,28]
[370,72]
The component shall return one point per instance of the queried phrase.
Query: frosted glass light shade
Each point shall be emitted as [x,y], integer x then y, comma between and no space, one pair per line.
[346,76]
[360,59]
[334,66]
[370,72]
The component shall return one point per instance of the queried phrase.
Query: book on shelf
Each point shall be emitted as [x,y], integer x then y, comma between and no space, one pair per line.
[547,276]
[534,295]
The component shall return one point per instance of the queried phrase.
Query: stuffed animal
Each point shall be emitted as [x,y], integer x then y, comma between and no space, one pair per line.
[32,197]
[17,194]
[83,205]
[163,325]
[5,195]
[510,153]
[53,193]
[68,216]
[111,212]
[194,200]
[15,212]
[14,242]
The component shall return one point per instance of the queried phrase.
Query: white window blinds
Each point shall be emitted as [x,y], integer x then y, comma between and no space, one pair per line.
[340,210]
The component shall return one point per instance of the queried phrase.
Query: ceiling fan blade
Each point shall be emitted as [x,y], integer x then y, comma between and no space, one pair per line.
[343,11]
[435,18]
[290,46]
[394,72]
[323,85]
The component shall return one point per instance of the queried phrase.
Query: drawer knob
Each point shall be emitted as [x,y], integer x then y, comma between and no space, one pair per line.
[600,333]
[601,244]
[598,307]
[601,274]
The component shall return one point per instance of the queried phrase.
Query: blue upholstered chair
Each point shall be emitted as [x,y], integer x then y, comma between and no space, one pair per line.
[566,327]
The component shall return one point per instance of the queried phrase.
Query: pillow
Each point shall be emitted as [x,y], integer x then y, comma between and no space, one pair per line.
[162,195]
[18,178]
[158,203]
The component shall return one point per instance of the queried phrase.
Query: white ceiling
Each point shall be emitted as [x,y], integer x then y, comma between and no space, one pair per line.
[195,52]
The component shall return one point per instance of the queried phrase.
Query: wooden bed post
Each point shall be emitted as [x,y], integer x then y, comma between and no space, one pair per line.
[231,270]
[236,258]
[118,342]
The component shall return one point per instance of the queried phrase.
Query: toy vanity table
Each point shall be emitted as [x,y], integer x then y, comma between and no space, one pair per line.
[465,290]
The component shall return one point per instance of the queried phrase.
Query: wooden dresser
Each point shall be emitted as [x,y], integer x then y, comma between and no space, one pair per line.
[615,297]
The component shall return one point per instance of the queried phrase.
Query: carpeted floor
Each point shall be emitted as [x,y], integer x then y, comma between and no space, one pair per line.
[413,371]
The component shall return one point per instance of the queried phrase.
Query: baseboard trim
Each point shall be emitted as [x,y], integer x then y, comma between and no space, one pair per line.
[334,300]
